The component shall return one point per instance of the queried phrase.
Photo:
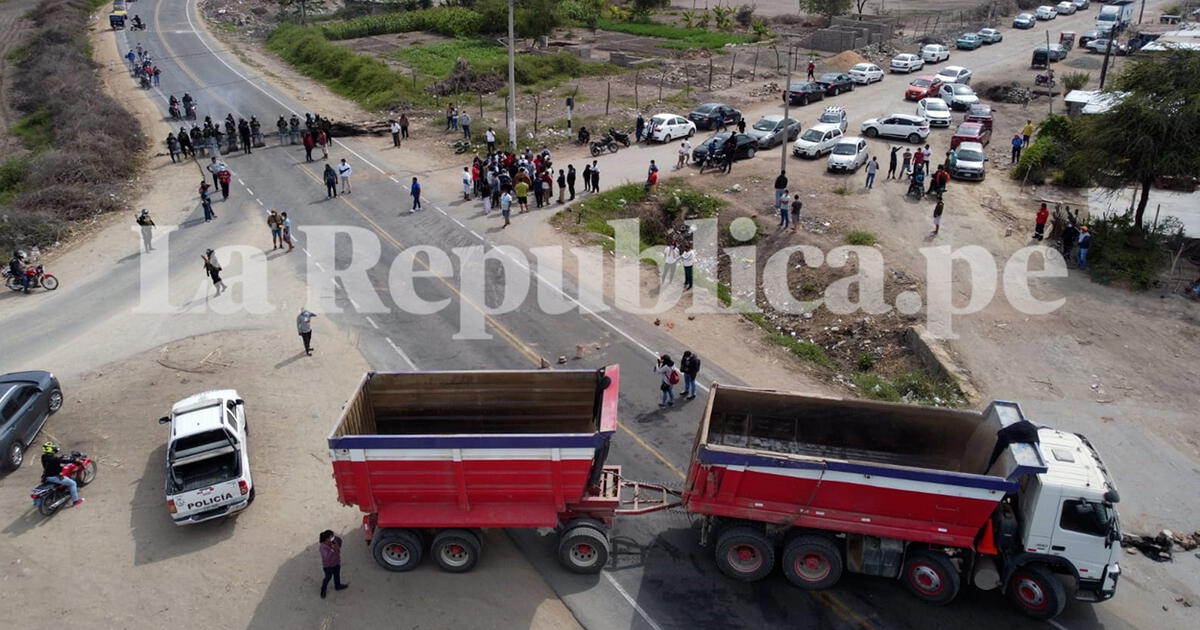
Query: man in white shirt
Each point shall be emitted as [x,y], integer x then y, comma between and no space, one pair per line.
[395,134]
[490,136]
[670,262]
[685,149]
[688,258]
[344,171]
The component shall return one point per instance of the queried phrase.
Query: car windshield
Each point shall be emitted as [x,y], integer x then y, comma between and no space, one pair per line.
[862,67]
[846,148]
[830,117]
[766,125]
[920,83]
[935,106]
[716,140]
[828,78]
[963,90]
[812,135]
[969,155]
[704,109]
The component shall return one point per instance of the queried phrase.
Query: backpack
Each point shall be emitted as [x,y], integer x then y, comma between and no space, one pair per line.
[673,376]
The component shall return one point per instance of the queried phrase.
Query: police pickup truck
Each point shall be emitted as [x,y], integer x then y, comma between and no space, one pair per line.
[208,465]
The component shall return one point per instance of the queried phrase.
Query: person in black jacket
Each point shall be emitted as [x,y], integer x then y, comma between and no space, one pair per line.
[52,464]
[689,364]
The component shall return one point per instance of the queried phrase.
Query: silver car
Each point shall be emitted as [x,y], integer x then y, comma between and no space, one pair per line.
[969,162]
[774,129]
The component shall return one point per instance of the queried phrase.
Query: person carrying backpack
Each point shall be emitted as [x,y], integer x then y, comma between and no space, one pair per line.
[668,379]
[689,364]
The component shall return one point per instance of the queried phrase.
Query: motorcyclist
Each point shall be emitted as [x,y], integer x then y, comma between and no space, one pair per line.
[16,266]
[187,99]
[137,23]
[52,464]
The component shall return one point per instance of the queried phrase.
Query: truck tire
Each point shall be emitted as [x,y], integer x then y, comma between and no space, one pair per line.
[745,554]
[455,550]
[812,562]
[1035,591]
[931,577]
[397,550]
[583,549]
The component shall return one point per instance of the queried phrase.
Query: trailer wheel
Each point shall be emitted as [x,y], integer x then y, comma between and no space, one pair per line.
[745,554]
[931,577]
[455,550]
[583,549]
[1037,592]
[812,562]
[397,550]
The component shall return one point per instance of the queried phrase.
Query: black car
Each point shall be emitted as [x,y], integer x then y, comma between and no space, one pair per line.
[804,93]
[746,147]
[706,115]
[835,83]
[1089,36]
[26,400]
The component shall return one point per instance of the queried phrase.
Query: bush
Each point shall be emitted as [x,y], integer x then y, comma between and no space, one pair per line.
[859,237]
[913,387]
[865,362]
[676,37]
[1121,253]
[363,79]
[531,18]
[1075,80]
[581,12]
[744,15]
[449,21]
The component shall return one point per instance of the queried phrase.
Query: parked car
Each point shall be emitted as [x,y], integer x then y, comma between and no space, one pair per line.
[1056,52]
[774,129]
[980,113]
[990,35]
[834,116]
[1089,36]
[208,458]
[922,86]
[935,53]
[1024,20]
[970,132]
[968,41]
[26,401]
[958,96]
[866,73]
[817,140]
[907,126]
[954,74]
[1082,5]
[969,161]
[847,155]
[745,148]
[706,115]
[667,127]
[803,93]
[1046,12]
[835,83]
[1066,7]
[906,62]
[934,110]
[1101,45]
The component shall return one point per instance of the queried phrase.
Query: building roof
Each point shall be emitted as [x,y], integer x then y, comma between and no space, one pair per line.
[1094,101]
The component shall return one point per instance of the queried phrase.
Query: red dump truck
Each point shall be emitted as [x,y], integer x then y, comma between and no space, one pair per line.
[935,498]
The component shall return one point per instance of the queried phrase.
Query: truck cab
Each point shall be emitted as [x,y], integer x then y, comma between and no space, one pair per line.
[208,465]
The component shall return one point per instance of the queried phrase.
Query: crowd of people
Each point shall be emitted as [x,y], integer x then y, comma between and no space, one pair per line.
[141,65]
[207,139]
[502,179]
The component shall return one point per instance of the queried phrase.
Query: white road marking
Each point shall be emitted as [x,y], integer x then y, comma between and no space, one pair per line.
[259,201]
[402,355]
[394,179]
[371,322]
[306,252]
[640,611]
[352,302]
[455,219]
[1057,625]
[240,182]
[319,266]
[476,235]
[248,190]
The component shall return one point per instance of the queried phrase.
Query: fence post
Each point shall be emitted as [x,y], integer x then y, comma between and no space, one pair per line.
[732,61]
[636,75]
[710,71]
[481,109]
[608,98]
[537,102]
[661,80]
[754,70]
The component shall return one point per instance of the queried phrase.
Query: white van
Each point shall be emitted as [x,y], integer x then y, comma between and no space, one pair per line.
[208,461]
[934,53]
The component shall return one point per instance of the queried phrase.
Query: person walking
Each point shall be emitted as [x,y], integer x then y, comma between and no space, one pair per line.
[906,164]
[275,224]
[639,127]
[395,129]
[571,181]
[812,69]
[173,148]
[185,144]
[688,258]
[1017,145]
[872,168]
[310,142]
[490,138]
[331,561]
[892,162]
[225,176]
[464,123]
[414,191]
[304,328]
[1027,132]
[781,206]
[689,364]
[927,155]
[1085,242]
[741,125]
[506,200]
[937,216]
[1039,226]
[323,142]
[214,167]
[468,183]
[212,269]
[797,205]
[344,172]
[651,177]
[685,148]
[728,150]
[331,181]
[206,202]
[667,379]
[670,262]
[285,225]
[147,225]
[595,176]
[404,126]
[781,184]
[587,178]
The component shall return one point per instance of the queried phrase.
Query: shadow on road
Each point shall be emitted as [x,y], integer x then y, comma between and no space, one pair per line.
[155,536]
[292,359]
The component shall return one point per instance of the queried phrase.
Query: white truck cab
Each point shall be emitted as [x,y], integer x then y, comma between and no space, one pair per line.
[208,465]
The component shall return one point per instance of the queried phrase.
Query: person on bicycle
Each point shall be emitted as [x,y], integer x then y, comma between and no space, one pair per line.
[16,267]
[52,464]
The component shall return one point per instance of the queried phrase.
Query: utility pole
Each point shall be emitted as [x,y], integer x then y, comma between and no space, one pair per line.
[513,83]
[783,146]
[1112,36]
[1050,71]
[1142,13]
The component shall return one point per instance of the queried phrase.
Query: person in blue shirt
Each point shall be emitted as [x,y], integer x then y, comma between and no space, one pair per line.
[1017,144]
[415,191]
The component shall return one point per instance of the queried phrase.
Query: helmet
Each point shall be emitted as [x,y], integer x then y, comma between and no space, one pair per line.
[49,447]
[19,254]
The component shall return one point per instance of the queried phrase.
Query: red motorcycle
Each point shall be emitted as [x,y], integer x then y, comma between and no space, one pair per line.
[50,496]
[37,278]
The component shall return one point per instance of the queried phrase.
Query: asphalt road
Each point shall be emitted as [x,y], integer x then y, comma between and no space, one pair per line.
[659,577]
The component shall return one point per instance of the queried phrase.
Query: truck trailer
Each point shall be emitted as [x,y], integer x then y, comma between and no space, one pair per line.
[1114,16]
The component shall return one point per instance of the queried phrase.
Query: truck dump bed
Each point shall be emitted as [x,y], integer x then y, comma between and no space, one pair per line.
[880,469]
[474,449]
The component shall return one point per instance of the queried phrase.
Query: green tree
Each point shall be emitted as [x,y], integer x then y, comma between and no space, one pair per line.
[1152,130]
[827,9]
[301,9]
[531,18]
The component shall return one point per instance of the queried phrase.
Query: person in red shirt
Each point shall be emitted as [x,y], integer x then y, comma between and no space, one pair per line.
[812,69]
[1039,227]
[918,161]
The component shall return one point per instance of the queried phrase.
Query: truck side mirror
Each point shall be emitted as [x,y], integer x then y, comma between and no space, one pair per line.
[164,419]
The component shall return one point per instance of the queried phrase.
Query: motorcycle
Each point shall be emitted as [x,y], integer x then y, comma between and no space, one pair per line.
[37,278]
[173,110]
[50,496]
[619,136]
[1044,80]
[189,111]
[603,144]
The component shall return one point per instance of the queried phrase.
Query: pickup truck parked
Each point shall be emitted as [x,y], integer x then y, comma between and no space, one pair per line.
[208,465]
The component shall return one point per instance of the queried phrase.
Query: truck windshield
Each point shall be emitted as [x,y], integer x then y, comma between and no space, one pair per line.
[1087,517]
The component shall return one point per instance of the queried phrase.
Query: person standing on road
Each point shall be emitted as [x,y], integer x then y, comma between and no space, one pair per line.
[1017,145]
[404,126]
[688,258]
[1026,132]
[304,327]
[741,125]
[323,142]
[781,206]
[490,138]
[1085,241]
[331,561]
[288,237]
[906,164]
[414,191]
[185,144]
[395,129]
[282,126]
[729,148]
[781,184]
[468,183]
[225,176]
[309,143]
[667,379]
[344,172]
[927,155]
[1039,225]
[797,205]
[639,127]
[173,148]
[872,168]
[147,225]
[670,262]
[587,178]
[522,190]
[331,181]
[721,120]
[685,148]
[595,176]
[892,162]
[689,364]
[206,202]
[464,122]
[1070,236]
[506,200]
[937,216]
[275,224]
[918,160]
[812,69]
[571,180]
[244,134]
[214,167]
[212,269]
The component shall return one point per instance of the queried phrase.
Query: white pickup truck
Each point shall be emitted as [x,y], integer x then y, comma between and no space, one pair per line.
[208,461]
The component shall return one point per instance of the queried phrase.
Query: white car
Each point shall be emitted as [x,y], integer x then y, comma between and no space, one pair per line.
[907,126]
[934,110]
[958,96]
[208,459]
[817,140]
[1082,5]
[969,160]
[866,73]
[1046,12]
[667,127]
[991,35]
[847,155]
[935,53]
[906,62]
[954,74]
[1066,8]
[834,115]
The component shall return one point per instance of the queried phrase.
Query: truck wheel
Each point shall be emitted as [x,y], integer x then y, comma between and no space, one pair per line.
[455,550]
[1037,592]
[745,554]
[812,562]
[931,577]
[583,549]
[397,550]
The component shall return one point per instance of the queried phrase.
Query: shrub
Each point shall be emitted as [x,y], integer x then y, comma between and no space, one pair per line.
[859,237]
[449,21]
[865,361]
[1121,253]
[582,12]
[744,15]
[365,80]
[1075,80]
[676,37]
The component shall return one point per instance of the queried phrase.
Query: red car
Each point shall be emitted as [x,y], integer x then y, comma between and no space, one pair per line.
[923,87]
[971,132]
[980,113]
